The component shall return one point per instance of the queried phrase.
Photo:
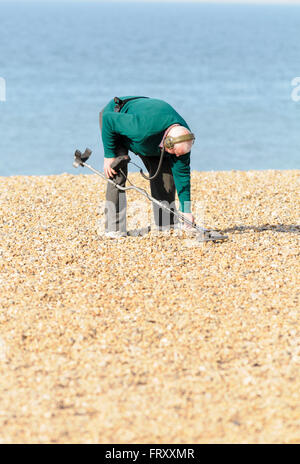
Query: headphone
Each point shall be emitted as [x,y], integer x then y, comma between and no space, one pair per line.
[171,141]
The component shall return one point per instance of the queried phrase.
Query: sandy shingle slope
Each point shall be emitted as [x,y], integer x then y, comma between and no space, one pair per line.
[152,340]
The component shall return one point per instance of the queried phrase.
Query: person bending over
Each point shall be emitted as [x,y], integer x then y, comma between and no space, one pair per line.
[145,126]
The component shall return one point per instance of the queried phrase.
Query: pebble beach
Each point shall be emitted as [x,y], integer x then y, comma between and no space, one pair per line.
[154,339]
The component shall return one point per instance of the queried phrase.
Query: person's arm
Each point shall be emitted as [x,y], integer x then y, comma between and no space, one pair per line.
[115,125]
[109,136]
[182,177]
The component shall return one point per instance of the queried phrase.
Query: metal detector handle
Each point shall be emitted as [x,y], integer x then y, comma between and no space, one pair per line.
[120,162]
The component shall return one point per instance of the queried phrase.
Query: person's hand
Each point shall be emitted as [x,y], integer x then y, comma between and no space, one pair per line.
[190,217]
[108,171]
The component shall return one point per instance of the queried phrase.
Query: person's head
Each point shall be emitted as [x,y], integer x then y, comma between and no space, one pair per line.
[180,148]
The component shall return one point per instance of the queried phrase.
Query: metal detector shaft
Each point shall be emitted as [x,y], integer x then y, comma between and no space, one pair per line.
[146,194]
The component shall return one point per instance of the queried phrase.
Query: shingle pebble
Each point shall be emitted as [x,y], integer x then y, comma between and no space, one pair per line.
[154,339]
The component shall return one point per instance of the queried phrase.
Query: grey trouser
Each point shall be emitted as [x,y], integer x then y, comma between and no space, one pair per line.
[162,189]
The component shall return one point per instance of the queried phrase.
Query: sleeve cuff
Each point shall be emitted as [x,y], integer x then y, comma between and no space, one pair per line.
[185,207]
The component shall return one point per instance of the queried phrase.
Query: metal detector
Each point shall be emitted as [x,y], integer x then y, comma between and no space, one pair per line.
[203,235]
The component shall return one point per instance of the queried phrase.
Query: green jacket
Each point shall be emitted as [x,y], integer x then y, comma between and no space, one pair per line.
[140,126]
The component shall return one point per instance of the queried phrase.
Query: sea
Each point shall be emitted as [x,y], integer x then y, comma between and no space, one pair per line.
[232,71]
